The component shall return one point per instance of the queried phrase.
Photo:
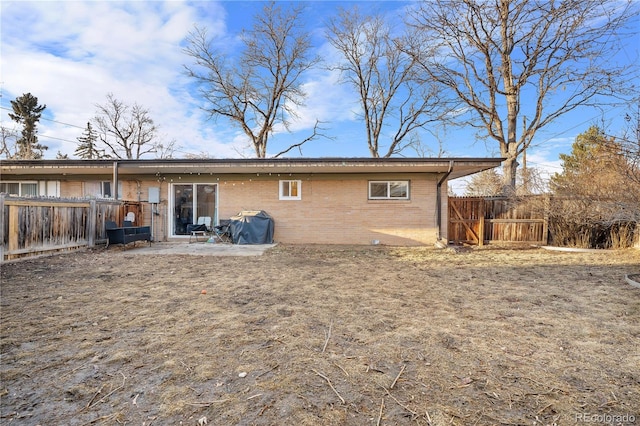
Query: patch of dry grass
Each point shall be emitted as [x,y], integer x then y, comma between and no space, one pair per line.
[321,335]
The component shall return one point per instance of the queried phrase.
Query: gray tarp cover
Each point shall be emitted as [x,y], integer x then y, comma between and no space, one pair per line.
[252,227]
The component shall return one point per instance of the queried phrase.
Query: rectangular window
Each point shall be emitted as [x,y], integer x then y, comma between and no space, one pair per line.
[103,189]
[389,190]
[11,188]
[21,189]
[29,189]
[290,189]
[106,190]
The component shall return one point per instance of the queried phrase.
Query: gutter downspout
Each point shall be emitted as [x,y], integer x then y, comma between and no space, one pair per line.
[439,199]
[115,180]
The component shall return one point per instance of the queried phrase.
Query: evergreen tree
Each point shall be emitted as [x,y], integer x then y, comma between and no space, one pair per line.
[596,204]
[591,170]
[27,113]
[87,149]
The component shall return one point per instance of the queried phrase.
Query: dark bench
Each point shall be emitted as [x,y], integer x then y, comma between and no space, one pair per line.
[126,234]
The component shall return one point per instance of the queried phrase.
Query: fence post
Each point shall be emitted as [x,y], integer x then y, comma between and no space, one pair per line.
[93,220]
[2,222]
[481,225]
[545,225]
[14,227]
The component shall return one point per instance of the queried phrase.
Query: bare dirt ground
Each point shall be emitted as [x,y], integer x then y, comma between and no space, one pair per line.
[329,335]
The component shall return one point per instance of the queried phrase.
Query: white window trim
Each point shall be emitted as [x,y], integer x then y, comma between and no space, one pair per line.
[289,197]
[98,187]
[23,182]
[389,183]
[215,220]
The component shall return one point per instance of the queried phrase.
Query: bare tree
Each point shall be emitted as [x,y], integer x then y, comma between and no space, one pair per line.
[530,182]
[630,145]
[165,150]
[422,150]
[127,132]
[394,102]
[202,155]
[8,147]
[519,65]
[487,183]
[261,89]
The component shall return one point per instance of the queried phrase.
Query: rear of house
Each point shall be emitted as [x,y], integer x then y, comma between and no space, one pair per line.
[398,201]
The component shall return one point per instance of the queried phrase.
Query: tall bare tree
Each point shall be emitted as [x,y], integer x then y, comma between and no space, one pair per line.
[165,150]
[8,138]
[127,132]
[259,89]
[487,183]
[630,145]
[519,65]
[394,101]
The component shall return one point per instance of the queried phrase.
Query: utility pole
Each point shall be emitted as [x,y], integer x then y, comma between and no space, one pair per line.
[525,176]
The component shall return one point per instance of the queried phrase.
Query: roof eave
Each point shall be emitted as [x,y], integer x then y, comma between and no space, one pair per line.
[462,166]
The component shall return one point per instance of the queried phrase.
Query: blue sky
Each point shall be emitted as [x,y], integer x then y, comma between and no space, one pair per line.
[70,54]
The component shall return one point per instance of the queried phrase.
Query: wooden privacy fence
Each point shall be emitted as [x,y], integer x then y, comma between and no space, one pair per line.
[476,220]
[35,226]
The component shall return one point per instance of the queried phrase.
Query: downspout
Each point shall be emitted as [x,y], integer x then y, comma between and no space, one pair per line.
[439,199]
[115,180]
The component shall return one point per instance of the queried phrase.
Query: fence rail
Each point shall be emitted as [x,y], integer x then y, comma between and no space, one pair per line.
[36,226]
[476,220]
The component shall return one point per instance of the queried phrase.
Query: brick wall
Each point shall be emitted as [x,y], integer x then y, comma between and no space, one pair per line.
[334,209]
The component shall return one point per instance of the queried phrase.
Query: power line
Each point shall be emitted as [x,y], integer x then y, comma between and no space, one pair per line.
[48,119]
[40,136]
[58,139]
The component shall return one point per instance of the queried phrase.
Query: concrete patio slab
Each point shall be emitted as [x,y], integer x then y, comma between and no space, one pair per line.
[198,249]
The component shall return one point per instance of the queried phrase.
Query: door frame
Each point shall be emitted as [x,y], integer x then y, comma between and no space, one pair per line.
[172,205]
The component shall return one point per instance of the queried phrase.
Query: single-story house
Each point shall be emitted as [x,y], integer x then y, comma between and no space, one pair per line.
[394,201]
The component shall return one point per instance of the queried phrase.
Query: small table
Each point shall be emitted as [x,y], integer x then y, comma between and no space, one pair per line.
[196,234]
[197,230]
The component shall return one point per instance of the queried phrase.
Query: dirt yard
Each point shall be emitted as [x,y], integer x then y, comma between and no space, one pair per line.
[322,336]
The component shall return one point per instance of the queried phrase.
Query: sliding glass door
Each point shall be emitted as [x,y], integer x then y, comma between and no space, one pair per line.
[192,202]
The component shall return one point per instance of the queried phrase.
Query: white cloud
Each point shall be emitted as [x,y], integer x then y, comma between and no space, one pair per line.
[327,100]
[71,54]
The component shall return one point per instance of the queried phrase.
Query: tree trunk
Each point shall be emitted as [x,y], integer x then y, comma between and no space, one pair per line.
[509,168]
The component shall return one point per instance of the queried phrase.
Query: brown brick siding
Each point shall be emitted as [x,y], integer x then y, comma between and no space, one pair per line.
[334,209]
[337,210]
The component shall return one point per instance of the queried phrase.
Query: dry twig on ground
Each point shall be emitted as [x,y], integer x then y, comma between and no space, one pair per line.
[330,385]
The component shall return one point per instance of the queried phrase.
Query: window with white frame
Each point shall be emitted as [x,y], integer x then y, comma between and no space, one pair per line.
[389,190]
[291,190]
[100,189]
[21,189]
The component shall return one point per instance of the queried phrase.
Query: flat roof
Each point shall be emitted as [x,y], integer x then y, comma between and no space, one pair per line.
[459,167]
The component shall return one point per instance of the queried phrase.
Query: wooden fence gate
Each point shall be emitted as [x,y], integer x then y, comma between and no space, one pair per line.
[477,220]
